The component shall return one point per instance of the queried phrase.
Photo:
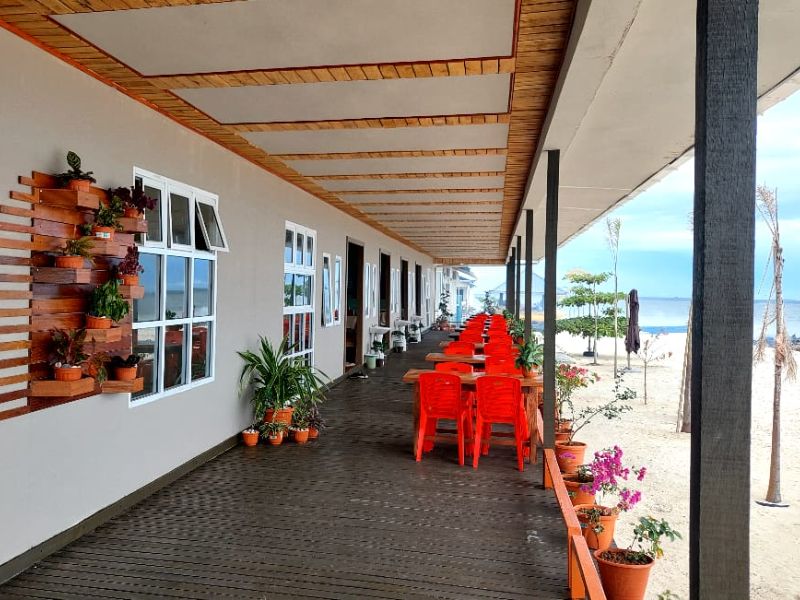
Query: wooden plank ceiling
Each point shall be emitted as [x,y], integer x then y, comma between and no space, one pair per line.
[423,127]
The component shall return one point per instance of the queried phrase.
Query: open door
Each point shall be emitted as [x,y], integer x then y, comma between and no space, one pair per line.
[418,291]
[404,289]
[354,316]
[385,290]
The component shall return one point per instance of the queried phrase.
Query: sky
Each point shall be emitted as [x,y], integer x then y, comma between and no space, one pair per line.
[656,237]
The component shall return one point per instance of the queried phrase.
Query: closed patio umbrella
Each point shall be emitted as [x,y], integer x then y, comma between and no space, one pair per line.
[632,342]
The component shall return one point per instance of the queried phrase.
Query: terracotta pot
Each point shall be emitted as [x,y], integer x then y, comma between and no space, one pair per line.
[576,494]
[129,279]
[97,322]
[103,233]
[301,436]
[595,540]
[622,581]
[562,436]
[125,373]
[276,440]
[250,438]
[570,455]
[79,185]
[284,416]
[527,372]
[69,262]
[313,433]
[132,213]
[67,373]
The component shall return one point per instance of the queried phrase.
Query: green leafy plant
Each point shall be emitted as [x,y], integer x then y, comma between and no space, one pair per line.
[516,328]
[277,380]
[106,301]
[378,347]
[96,366]
[301,415]
[444,310]
[108,214]
[74,173]
[612,410]
[125,363]
[272,428]
[647,536]
[530,355]
[67,347]
[315,419]
[489,305]
[78,247]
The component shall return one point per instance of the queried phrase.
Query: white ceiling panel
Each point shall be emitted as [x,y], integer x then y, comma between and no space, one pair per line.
[275,34]
[412,164]
[371,99]
[427,208]
[373,139]
[423,197]
[413,183]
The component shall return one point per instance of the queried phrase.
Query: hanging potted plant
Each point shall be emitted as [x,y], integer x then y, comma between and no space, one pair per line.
[250,436]
[274,432]
[67,353]
[129,268]
[75,253]
[624,572]
[75,179]
[125,369]
[529,357]
[106,219]
[106,305]
[134,201]
[608,474]
[578,485]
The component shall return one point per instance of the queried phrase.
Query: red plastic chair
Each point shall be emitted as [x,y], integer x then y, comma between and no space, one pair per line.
[502,365]
[499,401]
[453,367]
[474,337]
[498,349]
[460,348]
[440,398]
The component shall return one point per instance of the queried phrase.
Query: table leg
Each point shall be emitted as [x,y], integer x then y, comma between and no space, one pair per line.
[415,410]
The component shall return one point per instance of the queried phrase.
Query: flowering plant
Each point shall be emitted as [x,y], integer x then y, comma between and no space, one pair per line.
[570,378]
[608,477]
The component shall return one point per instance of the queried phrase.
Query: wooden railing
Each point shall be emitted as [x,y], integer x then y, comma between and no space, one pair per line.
[582,575]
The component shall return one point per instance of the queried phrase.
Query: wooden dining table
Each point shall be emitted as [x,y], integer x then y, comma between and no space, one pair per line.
[478,345]
[531,389]
[470,359]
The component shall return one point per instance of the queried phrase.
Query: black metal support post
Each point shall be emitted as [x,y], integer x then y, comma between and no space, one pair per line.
[528,272]
[510,289]
[722,319]
[509,285]
[518,288]
[550,256]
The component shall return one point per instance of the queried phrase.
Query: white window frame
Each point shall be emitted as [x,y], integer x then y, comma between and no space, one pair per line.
[199,199]
[327,320]
[338,272]
[302,269]
[165,249]
[374,290]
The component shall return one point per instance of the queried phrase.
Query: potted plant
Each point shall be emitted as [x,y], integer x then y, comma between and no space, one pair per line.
[106,305]
[74,253]
[96,366]
[67,353]
[250,436]
[129,268]
[578,485]
[625,571]
[516,329]
[75,179]
[608,474]
[300,423]
[134,201]
[530,356]
[274,430]
[568,379]
[277,381]
[315,423]
[106,219]
[125,369]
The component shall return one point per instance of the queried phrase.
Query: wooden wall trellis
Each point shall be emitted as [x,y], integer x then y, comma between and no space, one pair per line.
[36,297]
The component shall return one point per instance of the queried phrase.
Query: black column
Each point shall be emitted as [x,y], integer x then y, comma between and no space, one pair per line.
[722,320]
[518,288]
[511,291]
[528,272]
[509,284]
[550,256]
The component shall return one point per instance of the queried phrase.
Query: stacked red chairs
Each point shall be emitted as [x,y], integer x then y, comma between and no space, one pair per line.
[499,400]
[440,397]
[460,348]
[498,349]
[475,337]
[502,365]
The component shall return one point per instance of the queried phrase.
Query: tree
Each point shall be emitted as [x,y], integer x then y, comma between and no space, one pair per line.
[650,353]
[489,306]
[614,226]
[600,321]
[767,204]
[444,308]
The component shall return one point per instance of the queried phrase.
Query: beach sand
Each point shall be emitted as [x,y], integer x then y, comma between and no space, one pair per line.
[647,436]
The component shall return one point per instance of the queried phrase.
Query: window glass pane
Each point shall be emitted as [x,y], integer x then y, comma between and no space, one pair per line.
[298,255]
[297,345]
[199,238]
[201,351]
[180,219]
[307,290]
[202,298]
[287,328]
[213,229]
[307,341]
[288,246]
[177,271]
[309,251]
[148,308]
[145,342]
[288,289]
[154,228]
[300,286]
[173,356]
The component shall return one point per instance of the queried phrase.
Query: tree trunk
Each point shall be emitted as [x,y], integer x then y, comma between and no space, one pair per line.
[774,487]
[685,403]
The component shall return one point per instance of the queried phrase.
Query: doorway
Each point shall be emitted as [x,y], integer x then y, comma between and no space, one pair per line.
[404,289]
[354,320]
[418,291]
[385,289]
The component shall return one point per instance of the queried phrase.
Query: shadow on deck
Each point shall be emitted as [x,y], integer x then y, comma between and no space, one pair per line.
[349,516]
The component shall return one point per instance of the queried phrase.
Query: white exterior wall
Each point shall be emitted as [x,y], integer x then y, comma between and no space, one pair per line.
[62,464]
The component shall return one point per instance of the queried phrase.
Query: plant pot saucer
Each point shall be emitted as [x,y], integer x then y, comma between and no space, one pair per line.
[772,504]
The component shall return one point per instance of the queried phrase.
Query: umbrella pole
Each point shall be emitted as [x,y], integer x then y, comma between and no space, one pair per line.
[628,320]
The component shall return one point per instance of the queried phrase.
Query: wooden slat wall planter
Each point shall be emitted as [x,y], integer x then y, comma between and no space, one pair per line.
[44,297]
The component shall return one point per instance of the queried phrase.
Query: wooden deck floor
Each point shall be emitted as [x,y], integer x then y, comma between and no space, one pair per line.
[349,516]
